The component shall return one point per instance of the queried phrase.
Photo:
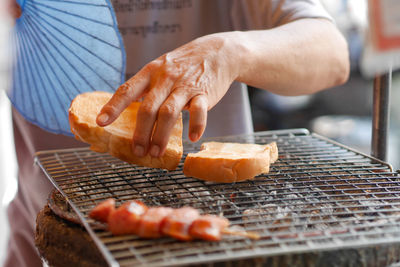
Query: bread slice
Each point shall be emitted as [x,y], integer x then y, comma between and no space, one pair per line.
[230,162]
[116,138]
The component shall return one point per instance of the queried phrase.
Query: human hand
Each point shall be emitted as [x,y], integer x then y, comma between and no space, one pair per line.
[194,76]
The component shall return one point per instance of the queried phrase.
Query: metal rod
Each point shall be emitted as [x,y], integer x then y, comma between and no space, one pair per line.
[380,115]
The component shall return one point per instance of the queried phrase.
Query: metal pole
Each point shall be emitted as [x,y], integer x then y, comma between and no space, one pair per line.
[380,115]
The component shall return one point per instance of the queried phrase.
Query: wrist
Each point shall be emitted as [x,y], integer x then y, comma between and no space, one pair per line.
[231,52]
[237,53]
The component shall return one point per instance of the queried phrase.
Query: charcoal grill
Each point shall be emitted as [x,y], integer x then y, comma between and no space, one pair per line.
[319,196]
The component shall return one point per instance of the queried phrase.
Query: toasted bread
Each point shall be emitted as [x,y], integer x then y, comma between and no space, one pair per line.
[230,162]
[116,138]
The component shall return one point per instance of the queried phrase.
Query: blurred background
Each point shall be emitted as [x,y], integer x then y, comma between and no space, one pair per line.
[341,113]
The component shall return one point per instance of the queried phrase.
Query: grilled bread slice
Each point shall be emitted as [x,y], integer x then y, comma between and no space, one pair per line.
[230,162]
[116,138]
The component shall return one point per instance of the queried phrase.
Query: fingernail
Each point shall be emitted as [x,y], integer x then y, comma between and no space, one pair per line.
[194,136]
[103,118]
[155,151]
[139,151]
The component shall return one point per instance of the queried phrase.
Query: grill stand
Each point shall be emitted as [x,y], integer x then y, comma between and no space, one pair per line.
[380,115]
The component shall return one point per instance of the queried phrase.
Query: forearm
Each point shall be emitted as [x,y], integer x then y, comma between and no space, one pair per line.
[301,57]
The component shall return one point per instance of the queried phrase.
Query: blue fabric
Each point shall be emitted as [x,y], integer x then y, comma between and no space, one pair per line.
[62,49]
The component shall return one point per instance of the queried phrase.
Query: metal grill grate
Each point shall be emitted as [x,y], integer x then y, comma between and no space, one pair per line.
[319,195]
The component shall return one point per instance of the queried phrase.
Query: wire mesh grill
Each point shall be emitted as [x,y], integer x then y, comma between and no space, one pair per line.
[319,195]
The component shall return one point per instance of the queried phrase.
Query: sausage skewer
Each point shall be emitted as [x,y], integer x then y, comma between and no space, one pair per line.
[150,222]
[103,210]
[126,218]
[178,222]
[186,223]
[208,227]
[212,227]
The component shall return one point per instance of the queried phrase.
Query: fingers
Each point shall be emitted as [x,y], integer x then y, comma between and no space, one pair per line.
[198,108]
[147,116]
[166,118]
[127,93]
[168,115]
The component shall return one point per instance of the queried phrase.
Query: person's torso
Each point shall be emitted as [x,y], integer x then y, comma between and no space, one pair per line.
[154,27]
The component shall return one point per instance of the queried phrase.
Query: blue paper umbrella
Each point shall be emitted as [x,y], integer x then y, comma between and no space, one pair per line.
[63,48]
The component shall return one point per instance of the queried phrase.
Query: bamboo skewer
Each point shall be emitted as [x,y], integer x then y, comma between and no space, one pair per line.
[251,235]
